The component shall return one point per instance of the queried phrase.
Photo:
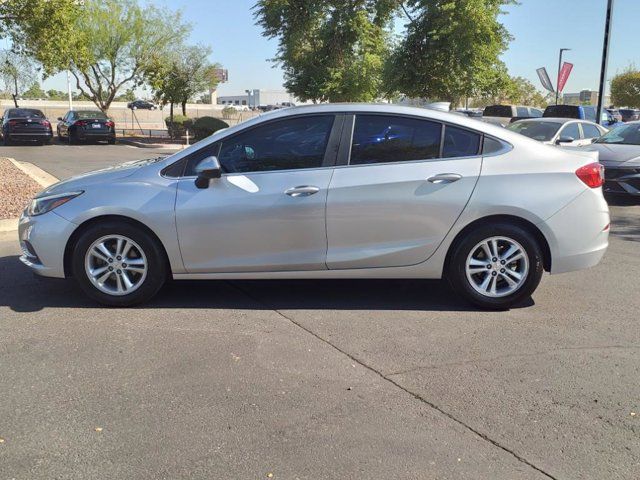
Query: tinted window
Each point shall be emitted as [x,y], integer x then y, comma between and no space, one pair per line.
[571,130]
[491,146]
[280,145]
[381,139]
[460,143]
[623,135]
[536,112]
[85,114]
[522,111]
[498,111]
[25,113]
[590,131]
[538,130]
[562,111]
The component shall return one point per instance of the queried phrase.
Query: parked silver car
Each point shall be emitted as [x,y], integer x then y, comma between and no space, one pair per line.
[564,132]
[329,191]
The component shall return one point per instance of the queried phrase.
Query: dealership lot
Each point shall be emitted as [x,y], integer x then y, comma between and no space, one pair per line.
[308,379]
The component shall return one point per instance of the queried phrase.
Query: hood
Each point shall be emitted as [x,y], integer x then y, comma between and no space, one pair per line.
[80,182]
[617,155]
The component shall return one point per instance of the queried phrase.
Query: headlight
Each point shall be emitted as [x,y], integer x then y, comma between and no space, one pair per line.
[41,205]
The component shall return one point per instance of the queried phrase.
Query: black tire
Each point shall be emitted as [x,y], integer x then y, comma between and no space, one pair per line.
[157,267]
[6,141]
[457,274]
[111,141]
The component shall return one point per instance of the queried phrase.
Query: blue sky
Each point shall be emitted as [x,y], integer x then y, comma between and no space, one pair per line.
[540,28]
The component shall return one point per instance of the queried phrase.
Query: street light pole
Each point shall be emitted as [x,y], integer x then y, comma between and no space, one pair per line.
[605,60]
[562,50]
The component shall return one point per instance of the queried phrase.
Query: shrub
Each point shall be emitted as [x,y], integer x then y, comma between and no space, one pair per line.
[228,112]
[179,126]
[205,126]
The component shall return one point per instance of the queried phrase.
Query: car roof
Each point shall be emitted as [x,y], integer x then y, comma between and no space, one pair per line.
[562,120]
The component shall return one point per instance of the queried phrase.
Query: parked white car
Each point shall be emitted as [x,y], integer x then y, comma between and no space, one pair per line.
[324,192]
[564,132]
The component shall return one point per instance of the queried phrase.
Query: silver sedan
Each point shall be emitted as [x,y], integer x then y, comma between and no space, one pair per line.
[325,192]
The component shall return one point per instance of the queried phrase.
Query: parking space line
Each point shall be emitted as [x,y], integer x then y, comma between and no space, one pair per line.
[386,378]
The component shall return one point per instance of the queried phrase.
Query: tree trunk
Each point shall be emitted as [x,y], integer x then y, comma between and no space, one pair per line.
[170,126]
[15,95]
[184,108]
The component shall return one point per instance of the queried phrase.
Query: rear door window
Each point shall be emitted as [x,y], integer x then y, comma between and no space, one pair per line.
[388,138]
[590,131]
[459,142]
[571,130]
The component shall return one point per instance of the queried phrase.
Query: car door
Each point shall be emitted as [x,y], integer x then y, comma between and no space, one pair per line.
[406,182]
[267,211]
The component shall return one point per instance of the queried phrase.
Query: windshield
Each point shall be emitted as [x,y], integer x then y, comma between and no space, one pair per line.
[622,135]
[541,131]
[25,112]
[88,114]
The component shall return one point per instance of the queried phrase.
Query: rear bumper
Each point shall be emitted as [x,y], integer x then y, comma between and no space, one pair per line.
[578,234]
[30,135]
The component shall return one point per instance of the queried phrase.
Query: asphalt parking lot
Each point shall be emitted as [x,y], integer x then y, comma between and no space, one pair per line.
[319,379]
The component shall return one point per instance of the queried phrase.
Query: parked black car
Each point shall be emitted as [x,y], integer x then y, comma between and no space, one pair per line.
[141,105]
[25,124]
[630,114]
[86,125]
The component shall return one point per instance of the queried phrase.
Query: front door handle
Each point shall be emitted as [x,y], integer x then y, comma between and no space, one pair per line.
[444,178]
[302,191]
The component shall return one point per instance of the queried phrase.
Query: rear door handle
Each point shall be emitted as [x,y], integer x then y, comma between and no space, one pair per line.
[444,178]
[302,191]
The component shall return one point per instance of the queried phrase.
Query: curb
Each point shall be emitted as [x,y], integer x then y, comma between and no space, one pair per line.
[164,146]
[43,178]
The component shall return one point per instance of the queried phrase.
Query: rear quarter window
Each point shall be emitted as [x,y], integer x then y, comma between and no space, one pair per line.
[498,111]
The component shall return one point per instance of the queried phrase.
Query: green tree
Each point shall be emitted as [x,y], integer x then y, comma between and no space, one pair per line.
[451,50]
[181,75]
[330,50]
[110,46]
[32,25]
[53,94]
[17,72]
[625,88]
[34,91]
[128,96]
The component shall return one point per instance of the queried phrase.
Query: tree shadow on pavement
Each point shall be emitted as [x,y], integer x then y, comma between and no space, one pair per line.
[22,291]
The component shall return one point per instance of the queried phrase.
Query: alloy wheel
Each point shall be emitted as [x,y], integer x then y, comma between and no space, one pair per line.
[116,265]
[497,267]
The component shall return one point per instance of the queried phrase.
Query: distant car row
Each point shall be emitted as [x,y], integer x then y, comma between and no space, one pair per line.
[31,125]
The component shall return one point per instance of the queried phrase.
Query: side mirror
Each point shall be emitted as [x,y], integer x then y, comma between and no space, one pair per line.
[564,140]
[207,169]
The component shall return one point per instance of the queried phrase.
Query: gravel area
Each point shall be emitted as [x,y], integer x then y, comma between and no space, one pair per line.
[16,189]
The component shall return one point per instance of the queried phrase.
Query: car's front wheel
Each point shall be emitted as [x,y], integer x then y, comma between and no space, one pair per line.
[496,266]
[118,264]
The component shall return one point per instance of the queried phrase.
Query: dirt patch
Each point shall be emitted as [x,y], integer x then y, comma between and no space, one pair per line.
[16,189]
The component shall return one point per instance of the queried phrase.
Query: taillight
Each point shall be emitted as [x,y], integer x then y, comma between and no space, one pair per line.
[45,123]
[109,123]
[14,122]
[592,175]
[80,123]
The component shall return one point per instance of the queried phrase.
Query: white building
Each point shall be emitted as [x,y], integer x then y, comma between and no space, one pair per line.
[259,98]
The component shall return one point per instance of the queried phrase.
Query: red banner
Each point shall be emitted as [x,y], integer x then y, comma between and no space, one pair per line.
[563,75]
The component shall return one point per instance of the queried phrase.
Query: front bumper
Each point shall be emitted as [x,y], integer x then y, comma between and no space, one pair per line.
[622,180]
[43,240]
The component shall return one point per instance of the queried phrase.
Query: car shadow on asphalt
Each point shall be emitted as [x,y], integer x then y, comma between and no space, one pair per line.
[22,291]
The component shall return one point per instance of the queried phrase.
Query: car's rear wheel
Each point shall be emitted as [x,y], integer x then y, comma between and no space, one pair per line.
[118,264]
[496,266]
